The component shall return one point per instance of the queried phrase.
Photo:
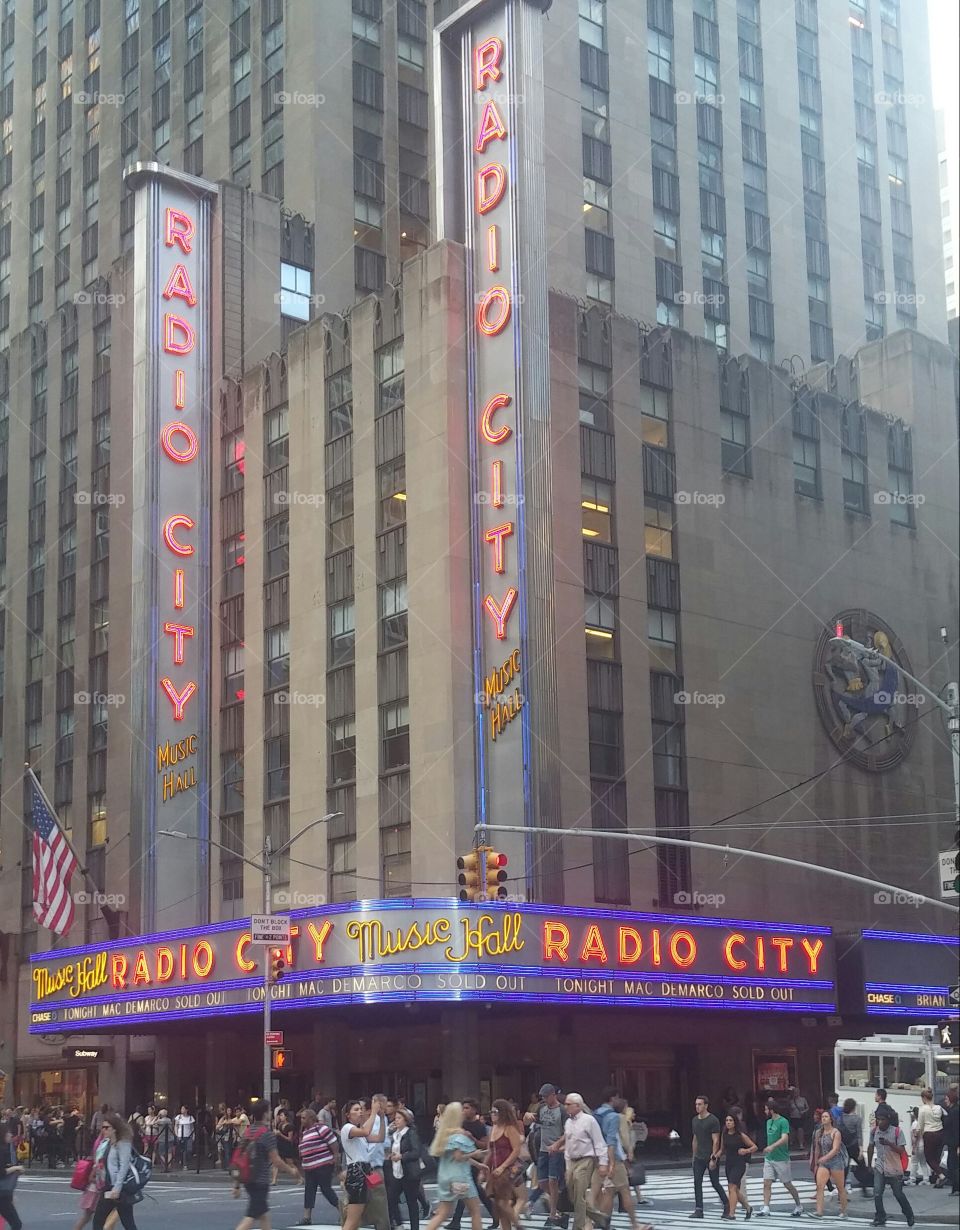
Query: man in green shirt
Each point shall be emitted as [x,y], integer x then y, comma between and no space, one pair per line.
[776,1159]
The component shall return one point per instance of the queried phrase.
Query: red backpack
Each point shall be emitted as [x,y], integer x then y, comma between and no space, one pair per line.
[241,1164]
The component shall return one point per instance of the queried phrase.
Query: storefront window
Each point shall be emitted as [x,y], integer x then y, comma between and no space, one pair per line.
[58,1087]
[774,1071]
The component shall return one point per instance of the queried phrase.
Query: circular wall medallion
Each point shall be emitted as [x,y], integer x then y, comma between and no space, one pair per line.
[867,707]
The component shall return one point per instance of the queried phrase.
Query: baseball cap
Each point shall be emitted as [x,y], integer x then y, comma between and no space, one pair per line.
[546,1090]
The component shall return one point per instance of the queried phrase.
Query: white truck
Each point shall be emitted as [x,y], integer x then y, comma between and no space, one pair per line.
[904,1065]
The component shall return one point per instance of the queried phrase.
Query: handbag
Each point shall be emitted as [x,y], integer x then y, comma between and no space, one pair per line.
[460,1190]
[374,1178]
[81,1173]
[637,1174]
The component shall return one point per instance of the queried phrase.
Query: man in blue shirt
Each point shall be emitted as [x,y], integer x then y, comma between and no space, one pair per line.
[377,1212]
[600,1205]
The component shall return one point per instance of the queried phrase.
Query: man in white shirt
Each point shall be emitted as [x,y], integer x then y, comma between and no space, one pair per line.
[585,1152]
[377,1211]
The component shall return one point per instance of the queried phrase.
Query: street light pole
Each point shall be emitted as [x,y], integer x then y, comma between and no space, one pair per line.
[950,706]
[266,870]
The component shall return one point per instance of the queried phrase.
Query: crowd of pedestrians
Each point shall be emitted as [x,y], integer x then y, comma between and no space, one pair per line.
[559,1157]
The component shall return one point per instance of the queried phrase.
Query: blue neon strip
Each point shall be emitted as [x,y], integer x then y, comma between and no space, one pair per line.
[902,986]
[414,969]
[911,1010]
[909,938]
[102,1026]
[464,908]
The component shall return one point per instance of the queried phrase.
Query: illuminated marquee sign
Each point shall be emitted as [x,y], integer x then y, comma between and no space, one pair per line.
[171,625]
[908,975]
[441,950]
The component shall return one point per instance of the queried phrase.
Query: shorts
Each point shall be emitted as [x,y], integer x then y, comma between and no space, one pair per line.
[776,1170]
[617,1177]
[257,1205]
[550,1166]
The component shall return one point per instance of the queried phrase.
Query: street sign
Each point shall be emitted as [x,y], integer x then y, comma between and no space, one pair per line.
[273,1037]
[955,994]
[270,929]
[948,874]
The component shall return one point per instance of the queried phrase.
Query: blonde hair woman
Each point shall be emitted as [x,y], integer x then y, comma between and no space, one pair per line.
[457,1153]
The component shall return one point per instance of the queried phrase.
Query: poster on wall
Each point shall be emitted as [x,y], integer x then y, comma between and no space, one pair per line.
[774,1077]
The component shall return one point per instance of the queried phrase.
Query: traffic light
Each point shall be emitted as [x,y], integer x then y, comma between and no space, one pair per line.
[471,874]
[496,876]
[278,964]
[280,1059]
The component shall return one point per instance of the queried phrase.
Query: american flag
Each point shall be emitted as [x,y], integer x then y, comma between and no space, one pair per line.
[53,865]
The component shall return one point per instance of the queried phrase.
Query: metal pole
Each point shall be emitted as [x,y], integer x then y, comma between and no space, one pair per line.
[267,902]
[727,851]
[953,729]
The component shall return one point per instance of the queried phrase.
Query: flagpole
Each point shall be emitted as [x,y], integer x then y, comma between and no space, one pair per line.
[69,844]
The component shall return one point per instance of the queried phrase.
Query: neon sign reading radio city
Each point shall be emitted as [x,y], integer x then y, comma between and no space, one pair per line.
[493,313]
[181,447]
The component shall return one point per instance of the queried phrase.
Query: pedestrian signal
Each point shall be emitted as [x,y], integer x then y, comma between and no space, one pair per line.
[470,877]
[280,1059]
[496,876]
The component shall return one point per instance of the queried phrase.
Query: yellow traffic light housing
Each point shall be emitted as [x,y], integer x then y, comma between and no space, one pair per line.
[280,1059]
[471,869]
[278,964]
[496,876]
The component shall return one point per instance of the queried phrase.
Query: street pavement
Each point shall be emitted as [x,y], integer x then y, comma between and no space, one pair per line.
[203,1202]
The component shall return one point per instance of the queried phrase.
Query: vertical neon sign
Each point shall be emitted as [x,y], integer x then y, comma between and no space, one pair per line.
[171,607]
[488,83]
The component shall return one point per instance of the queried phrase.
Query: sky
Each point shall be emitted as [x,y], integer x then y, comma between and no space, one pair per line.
[944,36]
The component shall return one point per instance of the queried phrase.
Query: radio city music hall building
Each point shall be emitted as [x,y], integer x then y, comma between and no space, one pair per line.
[473,550]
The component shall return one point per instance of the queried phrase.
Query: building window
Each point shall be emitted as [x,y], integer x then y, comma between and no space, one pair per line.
[342,854]
[658,528]
[410,51]
[392,482]
[390,380]
[853,460]
[340,516]
[232,673]
[596,503]
[611,870]
[900,475]
[662,636]
[342,737]
[394,736]
[806,451]
[668,764]
[295,291]
[655,415]
[98,820]
[277,785]
[395,851]
[392,599]
[277,656]
[339,397]
[234,558]
[594,392]
[342,619]
[277,547]
[734,443]
[231,783]
[600,623]
[606,743]
[276,439]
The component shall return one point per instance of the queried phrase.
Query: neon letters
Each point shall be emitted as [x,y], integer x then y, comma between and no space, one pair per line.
[180,445]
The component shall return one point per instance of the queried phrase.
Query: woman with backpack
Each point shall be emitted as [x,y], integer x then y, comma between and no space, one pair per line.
[255,1154]
[115,1162]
